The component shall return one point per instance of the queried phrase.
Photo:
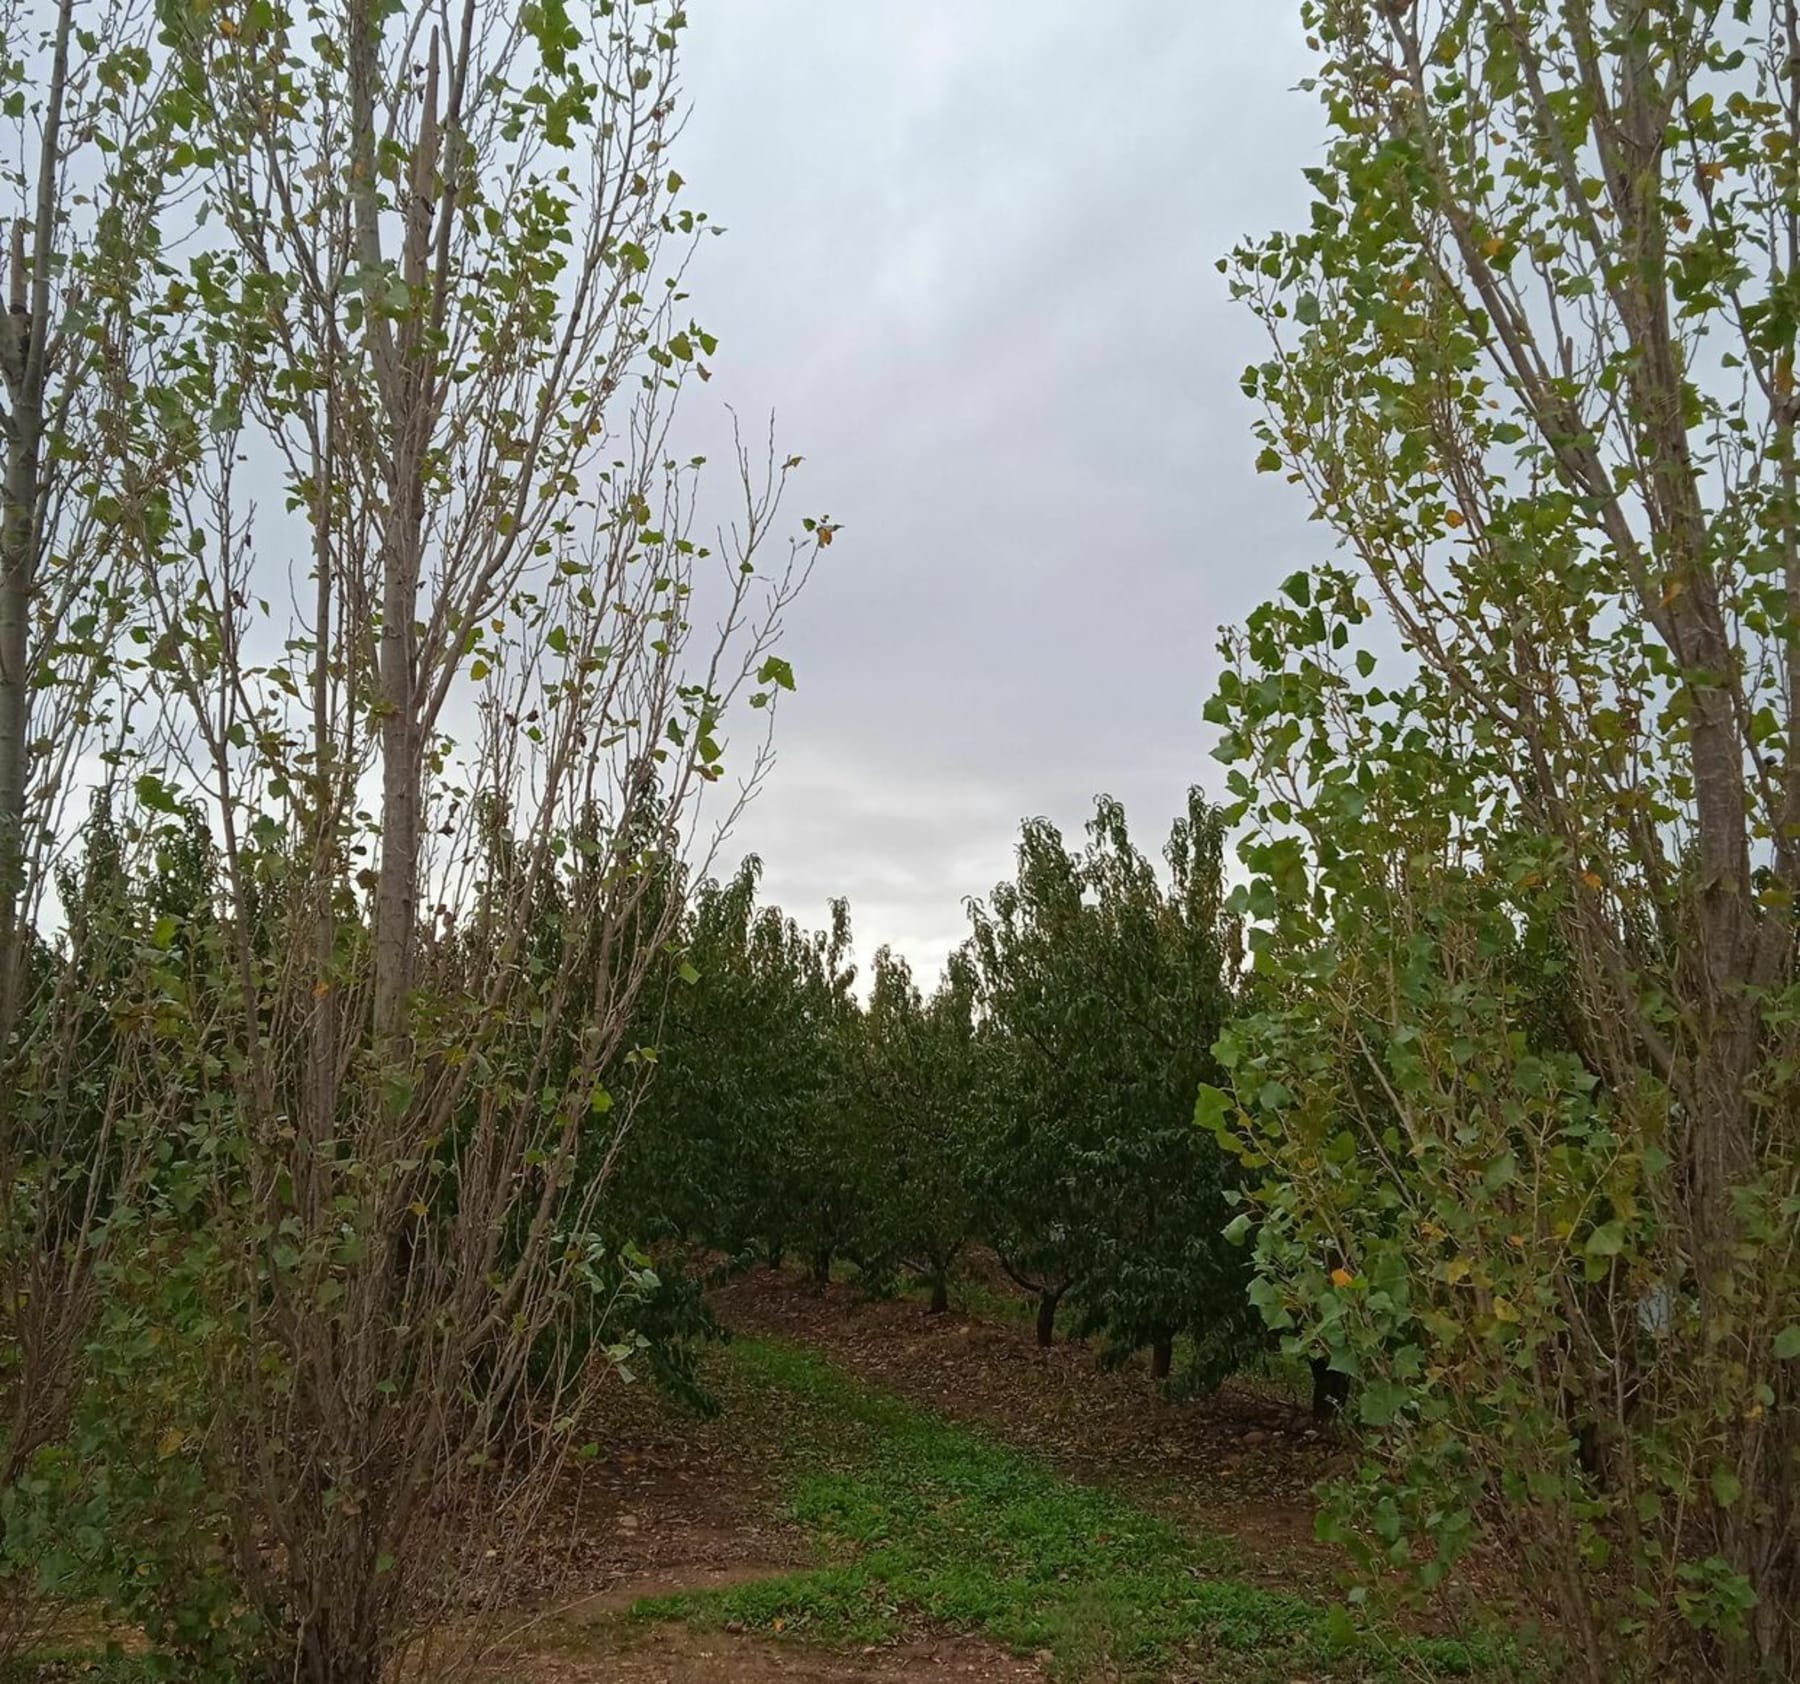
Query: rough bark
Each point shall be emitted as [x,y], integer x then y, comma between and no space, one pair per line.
[24,340]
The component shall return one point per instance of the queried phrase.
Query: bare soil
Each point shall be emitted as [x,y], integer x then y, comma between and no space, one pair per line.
[680,1504]
[671,1655]
[677,1503]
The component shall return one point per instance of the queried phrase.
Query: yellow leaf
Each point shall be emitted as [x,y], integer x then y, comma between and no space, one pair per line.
[1341,1277]
[1593,880]
[170,1442]
[1492,246]
[417,1207]
[1504,1311]
[227,27]
[1453,518]
[1456,1269]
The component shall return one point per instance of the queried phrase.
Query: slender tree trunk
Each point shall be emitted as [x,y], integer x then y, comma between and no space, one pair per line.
[396,883]
[1162,1356]
[775,1253]
[406,379]
[940,1292]
[1046,1316]
[821,1266]
[17,559]
[329,1660]
[323,1022]
[24,338]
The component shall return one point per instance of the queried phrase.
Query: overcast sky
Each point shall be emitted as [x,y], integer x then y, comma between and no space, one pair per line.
[970,268]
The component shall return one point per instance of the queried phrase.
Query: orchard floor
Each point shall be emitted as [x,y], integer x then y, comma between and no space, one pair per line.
[887,1494]
[1241,1461]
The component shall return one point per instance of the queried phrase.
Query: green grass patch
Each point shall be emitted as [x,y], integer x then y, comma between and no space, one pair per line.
[914,1515]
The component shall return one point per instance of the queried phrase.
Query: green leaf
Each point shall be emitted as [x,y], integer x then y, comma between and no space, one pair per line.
[1212,1108]
[776,671]
[156,795]
[1381,1401]
[1286,866]
[1787,1343]
[549,24]
[1608,1240]
[1726,1486]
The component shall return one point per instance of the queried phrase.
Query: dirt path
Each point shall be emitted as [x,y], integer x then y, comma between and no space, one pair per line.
[676,1501]
[683,1505]
[1241,1462]
[670,1655]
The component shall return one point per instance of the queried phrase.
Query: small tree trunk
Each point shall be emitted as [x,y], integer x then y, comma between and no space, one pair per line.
[1331,1390]
[821,1267]
[324,1667]
[1046,1316]
[24,341]
[408,393]
[774,1253]
[1162,1356]
[940,1293]
[17,560]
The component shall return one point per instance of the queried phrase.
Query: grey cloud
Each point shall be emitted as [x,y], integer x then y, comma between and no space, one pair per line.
[970,266]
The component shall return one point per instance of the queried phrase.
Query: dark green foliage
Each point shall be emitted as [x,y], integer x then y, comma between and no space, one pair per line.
[735,1141]
[1106,989]
[918,1109]
[1039,1100]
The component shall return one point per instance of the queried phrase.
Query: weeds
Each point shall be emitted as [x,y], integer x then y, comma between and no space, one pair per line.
[918,1518]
